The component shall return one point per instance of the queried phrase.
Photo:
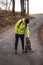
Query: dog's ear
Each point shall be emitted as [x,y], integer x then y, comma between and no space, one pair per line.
[27,38]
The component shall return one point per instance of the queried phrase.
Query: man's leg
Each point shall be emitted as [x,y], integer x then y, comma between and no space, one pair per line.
[16,42]
[22,41]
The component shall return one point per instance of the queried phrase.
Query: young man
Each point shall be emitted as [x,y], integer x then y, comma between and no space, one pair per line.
[20,28]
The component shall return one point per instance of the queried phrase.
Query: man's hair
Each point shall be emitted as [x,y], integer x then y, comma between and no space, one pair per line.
[26,20]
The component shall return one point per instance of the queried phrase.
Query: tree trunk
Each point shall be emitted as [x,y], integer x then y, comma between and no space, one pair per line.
[13,6]
[22,7]
[6,4]
[27,6]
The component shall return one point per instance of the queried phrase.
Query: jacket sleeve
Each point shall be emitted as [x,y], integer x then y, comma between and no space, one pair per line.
[27,31]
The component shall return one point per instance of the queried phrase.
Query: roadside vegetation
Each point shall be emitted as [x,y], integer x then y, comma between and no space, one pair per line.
[40,35]
[8,20]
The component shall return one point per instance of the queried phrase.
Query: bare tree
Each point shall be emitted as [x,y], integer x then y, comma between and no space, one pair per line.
[6,4]
[22,7]
[27,6]
[13,5]
[9,4]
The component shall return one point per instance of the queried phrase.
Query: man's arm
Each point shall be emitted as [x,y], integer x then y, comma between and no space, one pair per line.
[27,31]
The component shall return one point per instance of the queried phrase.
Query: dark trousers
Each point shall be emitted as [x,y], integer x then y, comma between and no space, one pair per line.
[16,40]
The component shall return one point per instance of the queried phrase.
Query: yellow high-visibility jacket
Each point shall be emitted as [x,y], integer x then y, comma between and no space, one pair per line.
[22,29]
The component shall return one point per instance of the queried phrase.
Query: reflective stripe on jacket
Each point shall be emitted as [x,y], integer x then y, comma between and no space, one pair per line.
[22,29]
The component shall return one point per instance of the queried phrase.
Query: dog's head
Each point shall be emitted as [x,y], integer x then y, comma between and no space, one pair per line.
[27,40]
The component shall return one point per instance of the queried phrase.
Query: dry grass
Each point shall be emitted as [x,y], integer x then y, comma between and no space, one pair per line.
[8,19]
[41,33]
[36,14]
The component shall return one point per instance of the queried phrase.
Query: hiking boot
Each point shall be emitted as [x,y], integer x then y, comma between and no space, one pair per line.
[15,51]
[26,51]
[23,51]
[31,51]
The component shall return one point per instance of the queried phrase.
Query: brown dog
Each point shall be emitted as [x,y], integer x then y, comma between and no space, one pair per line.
[28,45]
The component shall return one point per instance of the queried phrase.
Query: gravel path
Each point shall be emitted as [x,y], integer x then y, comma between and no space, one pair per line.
[7,56]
